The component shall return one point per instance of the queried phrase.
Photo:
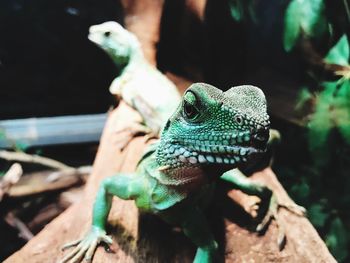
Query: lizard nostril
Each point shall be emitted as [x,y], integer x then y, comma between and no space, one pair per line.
[260,137]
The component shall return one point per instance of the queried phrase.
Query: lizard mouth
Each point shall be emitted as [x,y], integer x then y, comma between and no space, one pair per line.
[214,153]
[230,149]
[222,154]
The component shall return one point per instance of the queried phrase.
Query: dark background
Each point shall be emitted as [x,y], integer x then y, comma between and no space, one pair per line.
[47,65]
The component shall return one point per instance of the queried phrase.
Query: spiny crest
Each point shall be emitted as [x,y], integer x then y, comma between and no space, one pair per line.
[208,90]
[248,100]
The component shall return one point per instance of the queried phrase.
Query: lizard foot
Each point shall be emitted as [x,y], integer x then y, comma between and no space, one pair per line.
[86,247]
[126,134]
[272,214]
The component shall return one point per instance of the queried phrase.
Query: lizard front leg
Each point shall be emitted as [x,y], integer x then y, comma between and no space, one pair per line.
[196,228]
[243,183]
[124,186]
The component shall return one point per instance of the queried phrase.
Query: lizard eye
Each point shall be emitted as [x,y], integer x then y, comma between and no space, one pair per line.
[107,33]
[239,119]
[189,108]
[190,111]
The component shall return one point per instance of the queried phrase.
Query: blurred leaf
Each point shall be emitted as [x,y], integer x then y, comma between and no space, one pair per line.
[342,111]
[317,215]
[336,239]
[301,190]
[291,26]
[321,124]
[339,54]
[303,16]
[237,10]
[303,97]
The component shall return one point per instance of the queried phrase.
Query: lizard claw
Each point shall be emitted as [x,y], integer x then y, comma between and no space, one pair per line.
[86,247]
[272,214]
[71,244]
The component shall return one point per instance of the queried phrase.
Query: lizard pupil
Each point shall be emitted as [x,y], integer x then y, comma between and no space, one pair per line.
[190,111]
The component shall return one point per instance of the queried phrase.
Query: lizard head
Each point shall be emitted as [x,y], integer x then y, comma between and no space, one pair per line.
[211,126]
[115,40]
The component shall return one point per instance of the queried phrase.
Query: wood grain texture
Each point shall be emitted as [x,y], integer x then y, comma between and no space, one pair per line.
[144,238]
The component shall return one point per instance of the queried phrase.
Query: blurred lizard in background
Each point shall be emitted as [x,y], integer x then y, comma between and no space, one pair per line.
[140,84]
[209,135]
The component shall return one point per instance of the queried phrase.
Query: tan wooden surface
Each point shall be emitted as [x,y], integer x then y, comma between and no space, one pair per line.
[147,239]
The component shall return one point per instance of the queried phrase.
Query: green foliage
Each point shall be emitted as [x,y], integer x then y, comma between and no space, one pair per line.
[320,126]
[236,9]
[324,186]
[304,17]
[343,111]
[304,95]
[339,54]
[332,111]
[318,215]
[337,239]
[240,9]
[302,189]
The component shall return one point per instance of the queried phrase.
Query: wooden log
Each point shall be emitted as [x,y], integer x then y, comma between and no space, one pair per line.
[142,238]
[37,183]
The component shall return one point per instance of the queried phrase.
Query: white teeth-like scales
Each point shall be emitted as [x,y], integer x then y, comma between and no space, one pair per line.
[182,159]
[218,159]
[192,160]
[210,158]
[201,159]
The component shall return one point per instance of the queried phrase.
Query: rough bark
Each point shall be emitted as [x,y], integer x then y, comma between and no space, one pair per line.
[144,238]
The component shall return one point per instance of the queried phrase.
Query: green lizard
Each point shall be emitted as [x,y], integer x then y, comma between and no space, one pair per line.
[210,134]
[140,84]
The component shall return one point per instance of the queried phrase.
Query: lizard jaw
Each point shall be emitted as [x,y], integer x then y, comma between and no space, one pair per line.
[211,154]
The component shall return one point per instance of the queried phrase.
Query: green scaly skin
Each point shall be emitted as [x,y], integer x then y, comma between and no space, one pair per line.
[210,134]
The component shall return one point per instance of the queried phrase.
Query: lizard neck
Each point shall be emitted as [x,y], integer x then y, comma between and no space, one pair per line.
[125,62]
[136,55]
[136,60]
